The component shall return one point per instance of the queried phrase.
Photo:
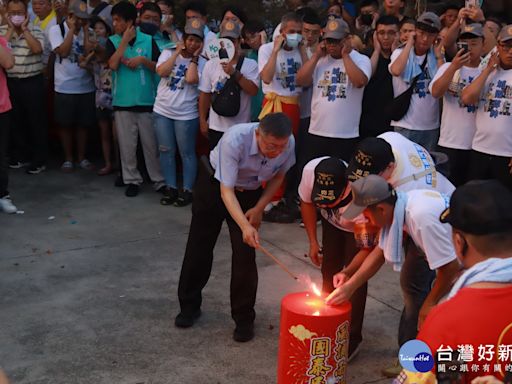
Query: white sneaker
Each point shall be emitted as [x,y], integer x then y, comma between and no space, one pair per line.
[6,205]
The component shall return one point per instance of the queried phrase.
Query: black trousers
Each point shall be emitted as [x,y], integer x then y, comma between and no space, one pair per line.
[318,146]
[214,138]
[484,166]
[339,248]
[29,130]
[4,144]
[208,214]
[458,164]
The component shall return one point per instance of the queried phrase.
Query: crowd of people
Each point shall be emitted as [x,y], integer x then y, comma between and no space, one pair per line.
[349,111]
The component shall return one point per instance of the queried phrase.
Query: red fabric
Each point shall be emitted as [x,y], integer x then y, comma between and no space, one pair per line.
[5,101]
[293,113]
[475,316]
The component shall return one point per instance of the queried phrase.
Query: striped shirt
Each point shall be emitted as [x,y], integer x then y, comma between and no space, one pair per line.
[26,64]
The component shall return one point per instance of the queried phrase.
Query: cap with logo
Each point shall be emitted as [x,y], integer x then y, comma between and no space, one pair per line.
[429,19]
[505,34]
[195,27]
[472,30]
[480,207]
[367,191]
[230,30]
[79,9]
[330,181]
[372,156]
[336,29]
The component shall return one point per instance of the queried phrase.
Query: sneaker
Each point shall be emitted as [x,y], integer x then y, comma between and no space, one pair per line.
[35,169]
[119,181]
[67,167]
[6,205]
[243,333]
[392,371]
[184,199]
[18,164]
[132,190]
[86,164]
[186,321]
[170,196]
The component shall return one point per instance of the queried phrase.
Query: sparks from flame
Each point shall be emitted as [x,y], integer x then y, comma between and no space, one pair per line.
[315,290]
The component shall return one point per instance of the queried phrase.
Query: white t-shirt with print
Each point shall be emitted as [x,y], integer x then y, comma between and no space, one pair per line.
[428,233]
[423,113]
[458,122]
[336,104]
[493,119]
[287,65]
[306,95]
[69,77]
[175,98]
[411,159]
[332,216]
[213,79]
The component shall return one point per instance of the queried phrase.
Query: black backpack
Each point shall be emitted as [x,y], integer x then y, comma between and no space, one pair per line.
[226,102]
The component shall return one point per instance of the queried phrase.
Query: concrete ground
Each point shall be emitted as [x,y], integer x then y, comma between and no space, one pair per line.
[88,282]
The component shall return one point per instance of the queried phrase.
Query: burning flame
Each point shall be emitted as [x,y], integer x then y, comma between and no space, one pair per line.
[317,313]
[315,290]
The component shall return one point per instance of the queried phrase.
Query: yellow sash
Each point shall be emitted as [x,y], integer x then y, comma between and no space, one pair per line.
[44,23]
[274,103]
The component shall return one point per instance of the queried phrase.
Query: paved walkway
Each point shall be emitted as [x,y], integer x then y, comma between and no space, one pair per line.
[88,282]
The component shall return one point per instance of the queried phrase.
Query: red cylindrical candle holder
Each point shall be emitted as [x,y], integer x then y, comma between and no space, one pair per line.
[313,340]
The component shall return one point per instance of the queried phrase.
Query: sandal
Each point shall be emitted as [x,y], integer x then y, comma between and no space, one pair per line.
[184,199]
[170,196]
[106,170]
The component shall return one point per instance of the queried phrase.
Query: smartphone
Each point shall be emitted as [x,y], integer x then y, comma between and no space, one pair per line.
[463,45]
[472,3]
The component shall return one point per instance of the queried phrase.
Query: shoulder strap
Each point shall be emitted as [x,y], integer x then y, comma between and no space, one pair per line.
[96,11]
[240,63]
[415,176]
[62,29]
[423,65]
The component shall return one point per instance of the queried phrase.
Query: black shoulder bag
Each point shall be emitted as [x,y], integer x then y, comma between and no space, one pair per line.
[399,106]
[226,102]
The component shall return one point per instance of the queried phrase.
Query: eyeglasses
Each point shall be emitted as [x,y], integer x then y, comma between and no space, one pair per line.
[506,47]
[268,146]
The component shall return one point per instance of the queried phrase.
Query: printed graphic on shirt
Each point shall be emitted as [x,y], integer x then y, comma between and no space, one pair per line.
[77,50]
[421,88]
[333,84]
[176,79]
[287,72]
[498,99]
[455,89]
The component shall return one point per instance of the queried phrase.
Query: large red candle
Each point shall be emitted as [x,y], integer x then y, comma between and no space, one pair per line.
[313,340]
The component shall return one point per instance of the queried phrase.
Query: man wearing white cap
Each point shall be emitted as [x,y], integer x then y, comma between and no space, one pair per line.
[491,157]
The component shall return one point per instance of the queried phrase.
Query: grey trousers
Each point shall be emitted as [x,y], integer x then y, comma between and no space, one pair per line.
[130,126]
